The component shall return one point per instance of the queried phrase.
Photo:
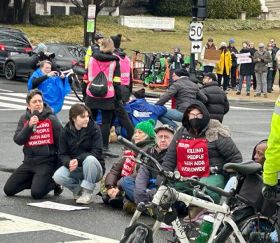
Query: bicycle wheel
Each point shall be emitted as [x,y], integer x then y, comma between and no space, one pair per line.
[76,87]
[255,229]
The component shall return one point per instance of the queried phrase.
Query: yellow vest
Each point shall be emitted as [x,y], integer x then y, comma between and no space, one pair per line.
[87,56]
[272,153]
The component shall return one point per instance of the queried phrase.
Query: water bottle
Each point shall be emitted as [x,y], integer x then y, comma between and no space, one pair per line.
[205,230]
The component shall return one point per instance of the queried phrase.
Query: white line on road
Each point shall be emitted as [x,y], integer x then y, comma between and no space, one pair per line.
[6,90]
[15,224]
[13,106]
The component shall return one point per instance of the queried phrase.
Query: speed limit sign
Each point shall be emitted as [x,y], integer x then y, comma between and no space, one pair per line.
[196,31]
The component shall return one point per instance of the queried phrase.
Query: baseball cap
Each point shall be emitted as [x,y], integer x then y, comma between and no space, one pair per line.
[165,127]
[261,45]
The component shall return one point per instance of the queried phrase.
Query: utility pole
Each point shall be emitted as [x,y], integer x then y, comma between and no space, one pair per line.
[199,13]
[91,22]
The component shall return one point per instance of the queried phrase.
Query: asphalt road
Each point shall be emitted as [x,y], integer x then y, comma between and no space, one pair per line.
[248,122]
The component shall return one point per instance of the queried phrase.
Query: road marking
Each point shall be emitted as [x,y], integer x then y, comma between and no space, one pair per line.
[16,224]
[6,90]
[250,109]
[13,106]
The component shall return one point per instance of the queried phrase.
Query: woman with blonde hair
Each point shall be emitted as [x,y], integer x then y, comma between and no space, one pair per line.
[104,66]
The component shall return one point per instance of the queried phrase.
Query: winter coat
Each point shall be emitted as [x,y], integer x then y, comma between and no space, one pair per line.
[145,186]
[78,144]
[54,88]
[140,110]
[221,148]
[233,51]
[42,153]
[184,92]
[261,66]
[114,174]
[103,103]
[217,103]
[247,68]
[224,63]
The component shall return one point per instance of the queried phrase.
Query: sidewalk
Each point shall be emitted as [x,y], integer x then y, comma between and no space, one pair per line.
[272,97]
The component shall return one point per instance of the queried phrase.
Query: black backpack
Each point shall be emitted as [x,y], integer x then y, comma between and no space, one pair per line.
[98,87]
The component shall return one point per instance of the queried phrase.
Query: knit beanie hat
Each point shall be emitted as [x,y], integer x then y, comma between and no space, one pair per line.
[147,127]
[41,47]
[117,40]
[181,72]
[139,94]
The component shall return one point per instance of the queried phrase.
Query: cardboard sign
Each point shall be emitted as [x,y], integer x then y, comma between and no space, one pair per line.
[43,134]
[192,157]
[212,55]
[243,58]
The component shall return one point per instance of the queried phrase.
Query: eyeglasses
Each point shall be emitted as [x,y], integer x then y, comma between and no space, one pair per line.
[199,115]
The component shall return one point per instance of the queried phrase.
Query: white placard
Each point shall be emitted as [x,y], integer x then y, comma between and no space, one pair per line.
[91,11]
[57,206]
[196,46]
[243,58]
[148,22]
[196,31]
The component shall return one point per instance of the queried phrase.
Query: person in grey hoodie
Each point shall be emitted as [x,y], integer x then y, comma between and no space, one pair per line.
[184,92]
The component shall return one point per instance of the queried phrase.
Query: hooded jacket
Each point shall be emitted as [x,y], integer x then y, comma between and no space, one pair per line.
[42,153]
[78,144]
[221,148]
[184,92]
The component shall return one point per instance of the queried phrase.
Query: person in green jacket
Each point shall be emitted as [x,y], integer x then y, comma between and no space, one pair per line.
[272,155]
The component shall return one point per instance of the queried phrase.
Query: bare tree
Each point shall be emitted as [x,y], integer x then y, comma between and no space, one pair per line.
[25,11]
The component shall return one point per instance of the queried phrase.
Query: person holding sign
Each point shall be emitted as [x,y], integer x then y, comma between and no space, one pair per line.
[200,145]
[38,131]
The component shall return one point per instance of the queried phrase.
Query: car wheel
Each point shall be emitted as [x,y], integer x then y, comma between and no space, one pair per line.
[10,70]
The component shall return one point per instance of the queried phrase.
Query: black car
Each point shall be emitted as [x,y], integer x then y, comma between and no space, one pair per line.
[12,42]
[65,56]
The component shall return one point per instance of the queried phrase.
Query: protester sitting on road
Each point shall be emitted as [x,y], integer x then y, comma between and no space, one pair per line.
[199,145]
[216,99]
[38,131]
[54,86]
[106,65]
[112,194]
[80,151]
[145,182]
[261,59]
[184,92]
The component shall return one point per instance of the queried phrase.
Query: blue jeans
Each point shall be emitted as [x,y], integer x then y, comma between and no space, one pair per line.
[248,83]
[83,177]
[170,116]
[128,185]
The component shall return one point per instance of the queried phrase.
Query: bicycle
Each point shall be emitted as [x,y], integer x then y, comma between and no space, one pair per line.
[227,225]
[77,86]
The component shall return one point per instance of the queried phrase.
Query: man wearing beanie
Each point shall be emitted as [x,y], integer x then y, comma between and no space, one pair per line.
[184,92]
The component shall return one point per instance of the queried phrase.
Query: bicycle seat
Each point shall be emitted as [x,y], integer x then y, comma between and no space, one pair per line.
[244,168]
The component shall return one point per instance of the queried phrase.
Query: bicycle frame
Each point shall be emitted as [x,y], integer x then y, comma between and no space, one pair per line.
[222,213]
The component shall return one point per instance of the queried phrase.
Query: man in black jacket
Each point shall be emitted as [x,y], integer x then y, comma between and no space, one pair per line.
[184,91]
[38,131]
[214,98]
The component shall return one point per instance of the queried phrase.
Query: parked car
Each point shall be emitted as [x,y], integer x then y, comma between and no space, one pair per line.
[65,57]
[12,42]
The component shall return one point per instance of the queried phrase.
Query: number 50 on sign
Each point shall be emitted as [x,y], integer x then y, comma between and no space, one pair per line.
[196,31]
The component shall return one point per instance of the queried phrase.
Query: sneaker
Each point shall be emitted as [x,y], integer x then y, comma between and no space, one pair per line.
[77,195]
[85,198]
[238,93]
[257,95]
[58,189]
[129,207]
[247,94]
[108,153]
[265,95]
